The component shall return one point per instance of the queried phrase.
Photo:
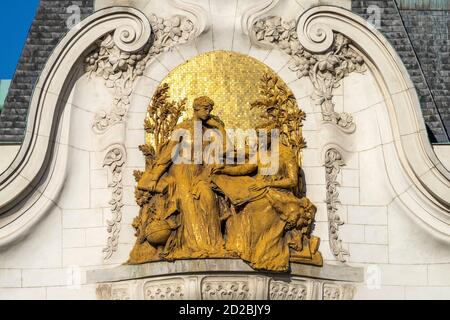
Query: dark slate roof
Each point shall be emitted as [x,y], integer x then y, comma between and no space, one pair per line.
[48,28]
[421,38]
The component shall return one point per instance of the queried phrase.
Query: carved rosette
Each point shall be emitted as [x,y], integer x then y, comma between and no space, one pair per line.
[114,160]
[324,69]
[333,164]
[120,66]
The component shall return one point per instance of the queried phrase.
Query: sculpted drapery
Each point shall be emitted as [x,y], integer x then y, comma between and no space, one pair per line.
[195,208]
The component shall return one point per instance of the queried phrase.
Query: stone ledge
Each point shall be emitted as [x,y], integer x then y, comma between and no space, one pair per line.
[209,266]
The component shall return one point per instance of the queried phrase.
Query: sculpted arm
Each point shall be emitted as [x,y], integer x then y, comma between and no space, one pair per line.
[291,179]
[150,178]
[239,170]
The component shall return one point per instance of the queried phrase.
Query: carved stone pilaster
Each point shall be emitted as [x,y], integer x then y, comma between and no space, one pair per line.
[333,164]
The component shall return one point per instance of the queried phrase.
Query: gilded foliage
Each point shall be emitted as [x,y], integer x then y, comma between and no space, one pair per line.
[162,116]
[280,108]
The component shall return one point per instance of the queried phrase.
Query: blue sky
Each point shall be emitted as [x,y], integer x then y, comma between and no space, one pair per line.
[16,17]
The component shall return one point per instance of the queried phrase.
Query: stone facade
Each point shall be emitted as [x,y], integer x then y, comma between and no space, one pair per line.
[54,214]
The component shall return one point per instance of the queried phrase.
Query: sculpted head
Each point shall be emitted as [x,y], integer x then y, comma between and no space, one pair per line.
[202,107]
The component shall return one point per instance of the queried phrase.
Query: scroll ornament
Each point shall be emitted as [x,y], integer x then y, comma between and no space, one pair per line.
[120,69]
[325,70]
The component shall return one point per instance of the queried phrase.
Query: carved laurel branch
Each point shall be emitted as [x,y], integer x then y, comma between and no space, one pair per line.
[114,160]
[335,60]
[333,164]
[120,61]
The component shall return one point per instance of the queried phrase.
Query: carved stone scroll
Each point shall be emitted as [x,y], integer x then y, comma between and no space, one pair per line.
[325,67]
[120,68]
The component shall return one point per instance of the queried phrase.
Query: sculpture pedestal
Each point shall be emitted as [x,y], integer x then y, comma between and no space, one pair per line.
[223,279]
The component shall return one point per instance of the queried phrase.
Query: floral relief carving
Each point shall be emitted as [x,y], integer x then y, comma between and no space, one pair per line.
[167,291]
[333,164]
[331,293]
[225,290]
[324,70]
[103,291]
[338,291]
[120,69]
[280,290]
[114,160]
[120,292]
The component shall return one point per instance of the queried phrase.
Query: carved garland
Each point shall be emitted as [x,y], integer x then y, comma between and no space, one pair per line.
[333,164]
[324,70]
[120,69]
[114,160]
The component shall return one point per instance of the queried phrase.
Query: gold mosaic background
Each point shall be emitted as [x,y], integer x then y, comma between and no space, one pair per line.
[231,79]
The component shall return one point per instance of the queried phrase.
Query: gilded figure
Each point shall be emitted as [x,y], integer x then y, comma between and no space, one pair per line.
[195,204]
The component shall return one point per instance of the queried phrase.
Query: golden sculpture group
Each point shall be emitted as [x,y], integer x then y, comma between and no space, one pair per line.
[212,210]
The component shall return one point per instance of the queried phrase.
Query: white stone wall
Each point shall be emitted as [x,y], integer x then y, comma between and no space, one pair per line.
[51,260]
